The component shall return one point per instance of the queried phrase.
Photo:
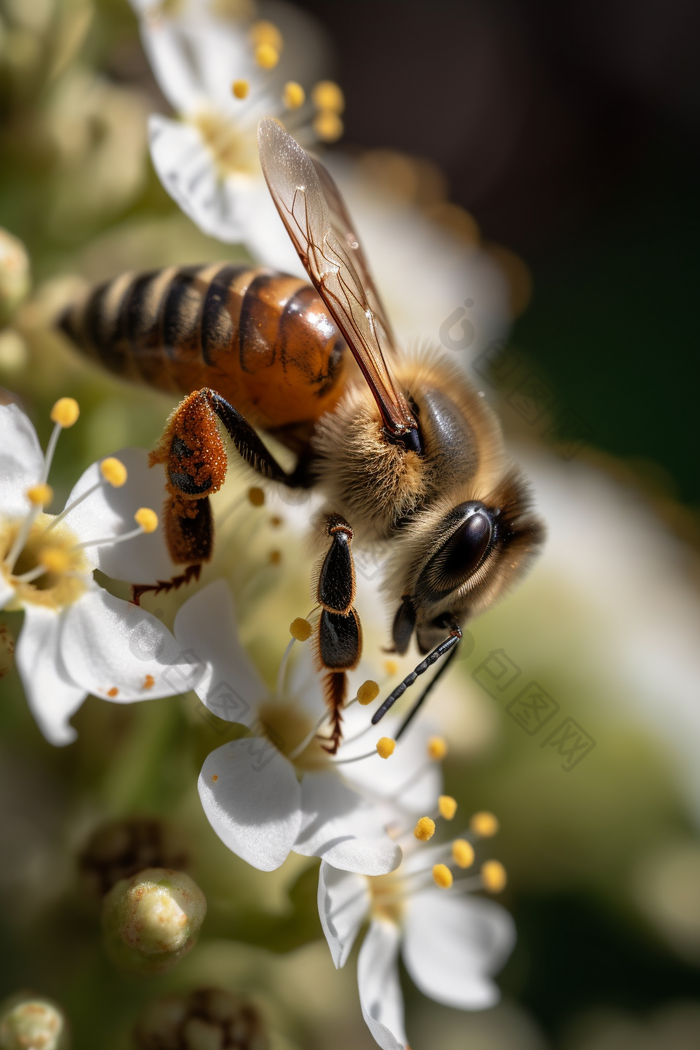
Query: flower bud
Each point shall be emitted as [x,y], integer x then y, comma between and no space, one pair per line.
[29,1021]
[120,849]
[153,919]
[203,1019]
[14,274]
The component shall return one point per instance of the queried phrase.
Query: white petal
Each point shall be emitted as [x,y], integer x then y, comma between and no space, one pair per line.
[50,693]
[109,644]
[342,828]
[171,61]
[186,168]
[453,943]
[206,626]
[251,798]
[343,905]
[110,511]
[21,460]
[7,592]
[378,984]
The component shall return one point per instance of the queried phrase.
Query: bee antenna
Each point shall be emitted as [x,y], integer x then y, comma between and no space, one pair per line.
[440,650]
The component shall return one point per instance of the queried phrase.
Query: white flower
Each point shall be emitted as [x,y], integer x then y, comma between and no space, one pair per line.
[221,76]
[451,943]
[278,790]
[76,637]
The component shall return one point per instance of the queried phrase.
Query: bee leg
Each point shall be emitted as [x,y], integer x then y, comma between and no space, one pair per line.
[339,637]
[450,643]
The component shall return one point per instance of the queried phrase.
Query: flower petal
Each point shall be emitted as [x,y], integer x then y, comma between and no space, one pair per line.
[171,59]
[342,828]
[206,626]
[7,592]
[453,943]
[343,904]
[21,460]
[251,798]
[51,695]
[378,984]
[116,650]
[109,511]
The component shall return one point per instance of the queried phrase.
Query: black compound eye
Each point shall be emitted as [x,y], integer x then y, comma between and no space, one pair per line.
[462,554]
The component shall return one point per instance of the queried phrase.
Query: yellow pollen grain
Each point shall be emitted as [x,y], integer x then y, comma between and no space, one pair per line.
[40,495]
[113,471]
[462,853]
[65,412]
[264,32]
[256,496]
[148,682]
[147,519]
[385,747]
[367,692]
[327,95]
[300,629]
[215,777]
[493,876]
[54,559]
[266,56]
[484,824]
[293,95]
[424,829]
[113,692]
[442,876]
[240,89]
[447,806]
[391,667]
[275,557]
[328,126]
[437,747]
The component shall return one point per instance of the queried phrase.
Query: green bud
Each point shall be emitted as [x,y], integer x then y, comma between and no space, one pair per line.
[208,1019]
[120,849]
[30,1022]
[153,919]
[14,274]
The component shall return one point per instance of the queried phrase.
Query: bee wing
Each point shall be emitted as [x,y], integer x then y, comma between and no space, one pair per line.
[317,220]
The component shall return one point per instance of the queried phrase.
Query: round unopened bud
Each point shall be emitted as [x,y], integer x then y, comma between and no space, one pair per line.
[153,919]
[120,849]
[14,274]
[30,1022]
[207,1019]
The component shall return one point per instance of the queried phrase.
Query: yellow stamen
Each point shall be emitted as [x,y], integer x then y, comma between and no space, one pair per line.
[300,629]
[40,495]
[113,471]
[256,496]
[462,853]
[424,829]
[65,412]
[328,126]
[240,89]
[437,747]
[264,32]
[442,875]
[391,666]
[484,824]
[266,56]
[326,95]
[447,806]
[293,95]
[385,747]
[367,692]
[147,519]
[54,559]
[493,876]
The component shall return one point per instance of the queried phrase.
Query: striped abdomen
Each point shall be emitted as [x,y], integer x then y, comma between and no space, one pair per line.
[261,339]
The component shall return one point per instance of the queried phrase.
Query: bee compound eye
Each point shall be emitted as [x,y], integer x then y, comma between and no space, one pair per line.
[464,551]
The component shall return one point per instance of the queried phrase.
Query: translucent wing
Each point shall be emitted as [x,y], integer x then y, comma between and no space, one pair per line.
[318,223]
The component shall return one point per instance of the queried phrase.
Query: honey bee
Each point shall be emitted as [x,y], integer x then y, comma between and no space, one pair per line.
[403,450]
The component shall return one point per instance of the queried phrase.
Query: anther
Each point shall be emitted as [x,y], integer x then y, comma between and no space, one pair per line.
[328,126]
[424,829]
[65,412]
[484,824]
[240,89]
[442,876]
[437,747]
[54,559]
[493,876]
[293,95]
[300,629]
[256,496]
[367,692]
[462,853]
[385,747]
[327,96]
[391,667]
[113,471]
[40,495]
[266,56]
[447,806]
[264,32]
[147,519]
